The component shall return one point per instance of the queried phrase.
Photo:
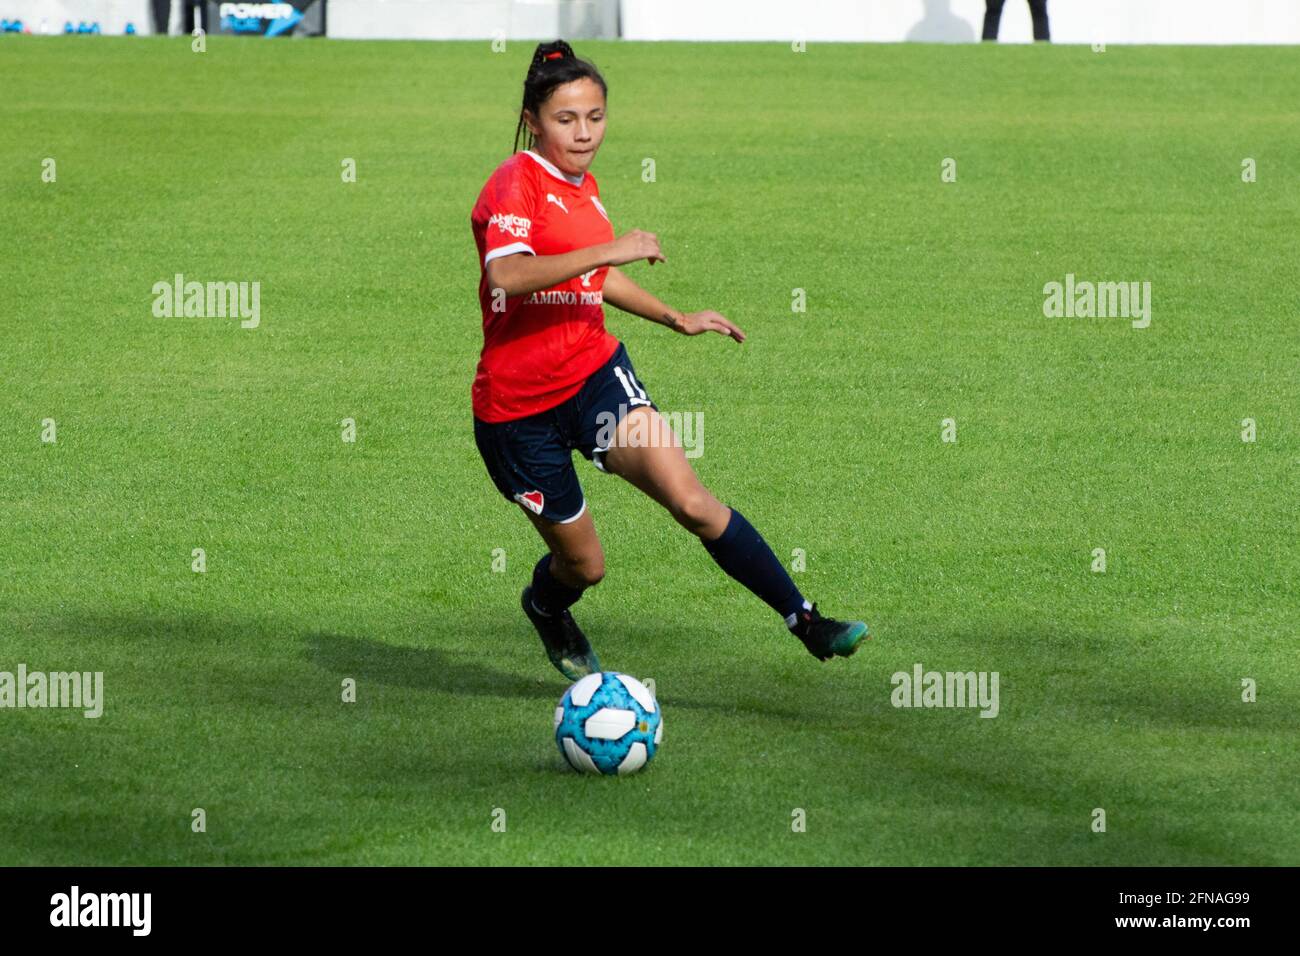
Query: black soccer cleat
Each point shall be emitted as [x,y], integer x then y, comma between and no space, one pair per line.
[826,637]
[566,646]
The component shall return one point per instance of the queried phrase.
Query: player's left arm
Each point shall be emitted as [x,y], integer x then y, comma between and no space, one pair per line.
[622,293]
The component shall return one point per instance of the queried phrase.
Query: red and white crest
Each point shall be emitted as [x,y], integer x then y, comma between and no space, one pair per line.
[532,500]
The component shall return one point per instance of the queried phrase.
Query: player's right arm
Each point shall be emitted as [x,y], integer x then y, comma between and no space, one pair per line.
[518,273]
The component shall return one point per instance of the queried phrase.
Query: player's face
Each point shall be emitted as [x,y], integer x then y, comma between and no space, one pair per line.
[571,126]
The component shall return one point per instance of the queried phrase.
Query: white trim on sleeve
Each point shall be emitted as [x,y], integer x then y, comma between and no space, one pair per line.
[509,250]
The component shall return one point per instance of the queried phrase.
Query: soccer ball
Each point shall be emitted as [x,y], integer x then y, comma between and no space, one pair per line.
[608,723]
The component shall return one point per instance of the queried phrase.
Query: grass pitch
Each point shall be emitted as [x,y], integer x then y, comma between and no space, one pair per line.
[775,171]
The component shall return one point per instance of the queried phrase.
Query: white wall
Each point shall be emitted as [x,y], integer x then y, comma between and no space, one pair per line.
[891,21]
[471,19]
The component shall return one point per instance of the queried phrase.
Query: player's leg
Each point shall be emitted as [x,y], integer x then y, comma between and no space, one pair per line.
[992,18]
[1038,11]
[531,463]
[647,453]
[658,466]
[573,562]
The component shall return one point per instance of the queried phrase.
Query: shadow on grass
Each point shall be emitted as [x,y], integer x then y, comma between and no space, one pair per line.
[948,763]
[1093,678]
[214,650]
[434,668]
[429,668]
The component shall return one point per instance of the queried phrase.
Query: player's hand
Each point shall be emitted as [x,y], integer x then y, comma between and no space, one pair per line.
[693,323]
[634,246]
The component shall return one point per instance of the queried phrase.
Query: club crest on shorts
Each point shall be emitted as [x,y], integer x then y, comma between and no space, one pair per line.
[532,500]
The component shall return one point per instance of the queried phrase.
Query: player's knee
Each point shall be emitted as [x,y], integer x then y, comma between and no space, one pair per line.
[588,570]
[593,572]
[695,509]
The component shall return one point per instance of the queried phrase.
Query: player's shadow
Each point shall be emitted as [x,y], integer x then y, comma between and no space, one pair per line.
[428,668]
[1046,669]
[940,25]
[434,668]
[443,664]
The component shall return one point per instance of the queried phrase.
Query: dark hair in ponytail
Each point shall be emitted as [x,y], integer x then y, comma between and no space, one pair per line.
[554,64]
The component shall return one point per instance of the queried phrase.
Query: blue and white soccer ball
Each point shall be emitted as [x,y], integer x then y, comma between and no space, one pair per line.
[608,723]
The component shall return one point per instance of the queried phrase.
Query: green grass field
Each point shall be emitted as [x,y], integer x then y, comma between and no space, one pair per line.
[373,561]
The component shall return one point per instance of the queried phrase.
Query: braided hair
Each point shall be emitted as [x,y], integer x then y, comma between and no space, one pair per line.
[554,64]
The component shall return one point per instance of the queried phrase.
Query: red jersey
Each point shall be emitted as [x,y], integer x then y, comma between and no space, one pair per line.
[539,347]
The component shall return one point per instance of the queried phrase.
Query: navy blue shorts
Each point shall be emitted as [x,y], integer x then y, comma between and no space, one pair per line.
[530,459]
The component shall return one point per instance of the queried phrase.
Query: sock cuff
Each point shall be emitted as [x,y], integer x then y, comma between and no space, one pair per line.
[735,525]
[551,595]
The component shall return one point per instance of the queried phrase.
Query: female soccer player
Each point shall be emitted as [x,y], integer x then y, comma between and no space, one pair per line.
[551,378]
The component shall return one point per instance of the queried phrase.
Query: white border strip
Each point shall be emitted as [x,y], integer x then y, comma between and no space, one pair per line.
[509,250]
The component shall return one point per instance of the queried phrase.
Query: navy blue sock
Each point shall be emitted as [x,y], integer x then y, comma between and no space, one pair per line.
[551,596]
[743,554]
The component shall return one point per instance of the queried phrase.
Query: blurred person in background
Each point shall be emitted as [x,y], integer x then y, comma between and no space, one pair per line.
[993,17]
